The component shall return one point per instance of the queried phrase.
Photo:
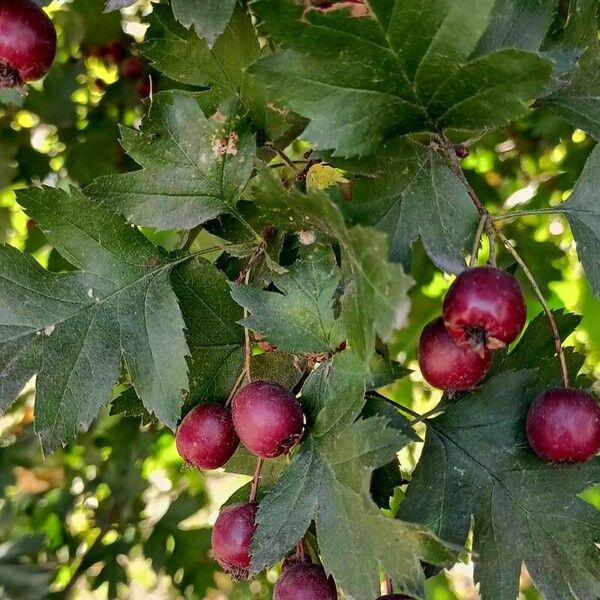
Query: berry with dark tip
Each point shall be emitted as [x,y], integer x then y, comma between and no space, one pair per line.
[563,425]
[206,437]
[268,418]
[447,366]
[484,308]
[27,42]
[232,536]
[304,581]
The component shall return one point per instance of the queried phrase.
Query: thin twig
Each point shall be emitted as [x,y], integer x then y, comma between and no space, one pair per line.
[389,588]
[301,550]
[512,251]
[477,241]
[492,242]
[256,479]
[527,213]
[284,157]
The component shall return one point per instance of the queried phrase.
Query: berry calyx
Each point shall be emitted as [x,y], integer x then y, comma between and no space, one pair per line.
[563,425]
[27,42]
[447,366]
[304,581]
[232,536]
[484,308]
[268,418]
[206,437]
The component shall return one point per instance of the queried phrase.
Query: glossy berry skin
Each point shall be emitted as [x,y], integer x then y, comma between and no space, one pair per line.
[268,418]
[445,365]
[304,581]
[232,536]
[27,42]
[206,437]
[563,426]
[484,307]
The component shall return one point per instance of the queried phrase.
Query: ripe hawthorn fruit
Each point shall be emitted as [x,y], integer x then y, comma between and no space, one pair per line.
[447,366]
[206,437]
[563,425]
[231,538]
[132,68]
[484,308]
[268,418]
[304,581]
[27,42]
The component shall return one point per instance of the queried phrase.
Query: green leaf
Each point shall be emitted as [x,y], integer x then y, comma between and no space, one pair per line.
[215,339]
[517,24]
[583,212]
[300,317]
[328,482]
[284,368]
[181,55]
[408,193]
[194,168]
[436,207]
[477,463]
[208,17]
[400,68]
[374,298]
[74,328]
[578,102]
[17,578]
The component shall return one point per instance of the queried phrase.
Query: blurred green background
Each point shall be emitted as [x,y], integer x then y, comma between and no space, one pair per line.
[115,515]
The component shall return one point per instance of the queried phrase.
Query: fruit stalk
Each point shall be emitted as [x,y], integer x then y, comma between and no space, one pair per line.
[449,149]
[256,478]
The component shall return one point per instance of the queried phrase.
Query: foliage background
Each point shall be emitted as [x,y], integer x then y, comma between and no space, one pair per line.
[54,511]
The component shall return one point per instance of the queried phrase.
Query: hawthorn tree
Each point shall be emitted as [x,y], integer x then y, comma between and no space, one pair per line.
[252,254]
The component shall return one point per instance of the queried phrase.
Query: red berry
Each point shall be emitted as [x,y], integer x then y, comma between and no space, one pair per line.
[447,366]
[304,581]
[484,307]
[563,425]
[206,437]
[232,537]
[27,42]
[132,68]
[144,88]
[268,418]
[113,52]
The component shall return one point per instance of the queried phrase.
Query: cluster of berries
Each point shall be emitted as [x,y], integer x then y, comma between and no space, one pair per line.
[268,419]
[484,310]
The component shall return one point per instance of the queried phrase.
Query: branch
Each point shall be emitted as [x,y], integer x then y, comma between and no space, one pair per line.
[451,153]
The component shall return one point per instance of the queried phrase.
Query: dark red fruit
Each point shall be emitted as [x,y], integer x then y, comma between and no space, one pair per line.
[27,42]
[113,52]
[232,536]
[445,365]
[206,437]
[563,425]
[268,418]
[304,581]
[484,308]
[132,68]
[144,88]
